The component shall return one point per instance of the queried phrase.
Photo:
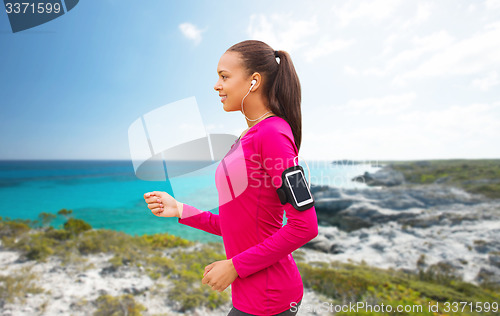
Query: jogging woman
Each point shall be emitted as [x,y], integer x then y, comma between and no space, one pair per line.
[262,84]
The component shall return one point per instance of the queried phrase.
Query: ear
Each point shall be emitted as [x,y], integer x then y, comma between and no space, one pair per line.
[256,76]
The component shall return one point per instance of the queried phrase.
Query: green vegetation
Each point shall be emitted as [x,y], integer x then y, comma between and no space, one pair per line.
[164,257]
[184,266]
[480,176]
[188,272]
[13,288]
[344,283]
[123,305]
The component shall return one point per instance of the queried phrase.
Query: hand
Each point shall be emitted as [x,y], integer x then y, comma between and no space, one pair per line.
[220,274]
[163,204]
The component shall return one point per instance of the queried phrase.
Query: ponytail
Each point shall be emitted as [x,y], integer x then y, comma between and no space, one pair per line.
[285,95]
[281,83]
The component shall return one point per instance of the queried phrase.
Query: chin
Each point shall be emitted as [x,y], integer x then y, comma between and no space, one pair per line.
[229,108]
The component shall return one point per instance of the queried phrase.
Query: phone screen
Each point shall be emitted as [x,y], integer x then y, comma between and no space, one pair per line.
[298,185]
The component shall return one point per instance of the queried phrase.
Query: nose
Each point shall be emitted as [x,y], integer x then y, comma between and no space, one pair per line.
[217,86]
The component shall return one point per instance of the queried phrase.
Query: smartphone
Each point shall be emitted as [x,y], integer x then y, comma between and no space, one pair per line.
[299,188]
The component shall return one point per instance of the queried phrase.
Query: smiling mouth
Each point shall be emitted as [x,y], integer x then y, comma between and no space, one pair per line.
[223,98]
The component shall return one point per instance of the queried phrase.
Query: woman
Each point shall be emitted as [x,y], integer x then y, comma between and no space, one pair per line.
[263,85]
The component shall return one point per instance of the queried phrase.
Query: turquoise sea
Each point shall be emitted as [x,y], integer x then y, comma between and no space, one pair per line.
[108,194]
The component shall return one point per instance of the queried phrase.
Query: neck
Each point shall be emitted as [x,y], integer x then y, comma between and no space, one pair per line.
[252,123]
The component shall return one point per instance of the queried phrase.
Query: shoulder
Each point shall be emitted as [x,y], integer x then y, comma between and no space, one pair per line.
[274,126]
[275,132]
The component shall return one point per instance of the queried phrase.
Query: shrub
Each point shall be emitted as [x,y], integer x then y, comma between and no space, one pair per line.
[14,287]
[57,234]
[35,246]
[187,275]
[161,241]
[13,228]
[76,226]
[46,218]
[115,306]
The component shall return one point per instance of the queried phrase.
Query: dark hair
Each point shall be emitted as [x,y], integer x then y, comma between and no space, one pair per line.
[281,83]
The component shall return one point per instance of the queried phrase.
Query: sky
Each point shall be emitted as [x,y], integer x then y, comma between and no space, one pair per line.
[381,79]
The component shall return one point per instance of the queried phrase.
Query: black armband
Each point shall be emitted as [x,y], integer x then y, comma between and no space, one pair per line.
[294,189]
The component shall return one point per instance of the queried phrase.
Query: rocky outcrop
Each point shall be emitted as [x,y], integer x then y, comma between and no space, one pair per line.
[351,209]
[410,227]
[382,177]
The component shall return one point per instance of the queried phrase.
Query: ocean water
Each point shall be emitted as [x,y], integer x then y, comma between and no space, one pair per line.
[108,194]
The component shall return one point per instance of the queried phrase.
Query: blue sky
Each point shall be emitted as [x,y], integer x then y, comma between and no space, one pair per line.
[382,79]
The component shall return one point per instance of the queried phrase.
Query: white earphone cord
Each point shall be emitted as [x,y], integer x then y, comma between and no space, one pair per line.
[244,111]
[296,163]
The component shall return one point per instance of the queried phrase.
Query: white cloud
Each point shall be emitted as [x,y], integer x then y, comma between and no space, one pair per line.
[449,125]
[416,43]
[468,56]
[191,32]
[403,26]
[492,4]
[386,105]
[214,127]
[404,59]
[436,41]
[457,131]
[423,13]
[350,71]
[282,31]
[375,10]
[487,82]
[326,47]
[471,8]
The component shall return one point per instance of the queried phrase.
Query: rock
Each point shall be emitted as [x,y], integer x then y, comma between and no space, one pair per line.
[322,243]
[392,227]
[102,292]
[442,180]
[481,181]
[333,205]
[494,259]
[346,162]
[488,276]
[378,246]
[483,246]
[108,270]
[383,177]
[134,291]
[351,209]
[423,163]
[324,191]
[400,200]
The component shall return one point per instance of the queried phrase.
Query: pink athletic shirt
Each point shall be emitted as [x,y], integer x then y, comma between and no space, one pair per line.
[250,219]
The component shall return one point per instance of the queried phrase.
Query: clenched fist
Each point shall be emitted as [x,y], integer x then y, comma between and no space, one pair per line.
[163,204]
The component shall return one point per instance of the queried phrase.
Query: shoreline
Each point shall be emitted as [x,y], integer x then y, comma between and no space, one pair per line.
[435,239]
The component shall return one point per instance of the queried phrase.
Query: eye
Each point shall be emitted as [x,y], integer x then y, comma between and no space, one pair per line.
[223,77]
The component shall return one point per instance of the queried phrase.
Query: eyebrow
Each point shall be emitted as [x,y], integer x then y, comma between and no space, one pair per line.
[223,70]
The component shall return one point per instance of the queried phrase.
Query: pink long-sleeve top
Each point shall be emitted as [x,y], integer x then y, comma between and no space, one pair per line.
[250,219]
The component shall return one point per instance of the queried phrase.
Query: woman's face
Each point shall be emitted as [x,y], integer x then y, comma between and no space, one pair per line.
[233,83]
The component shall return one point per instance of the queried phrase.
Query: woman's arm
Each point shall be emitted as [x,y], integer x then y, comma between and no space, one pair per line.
[300,228]
[277,149]
[199,219]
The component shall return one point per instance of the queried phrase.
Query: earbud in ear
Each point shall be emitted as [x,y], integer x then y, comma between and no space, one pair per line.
[254,81]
